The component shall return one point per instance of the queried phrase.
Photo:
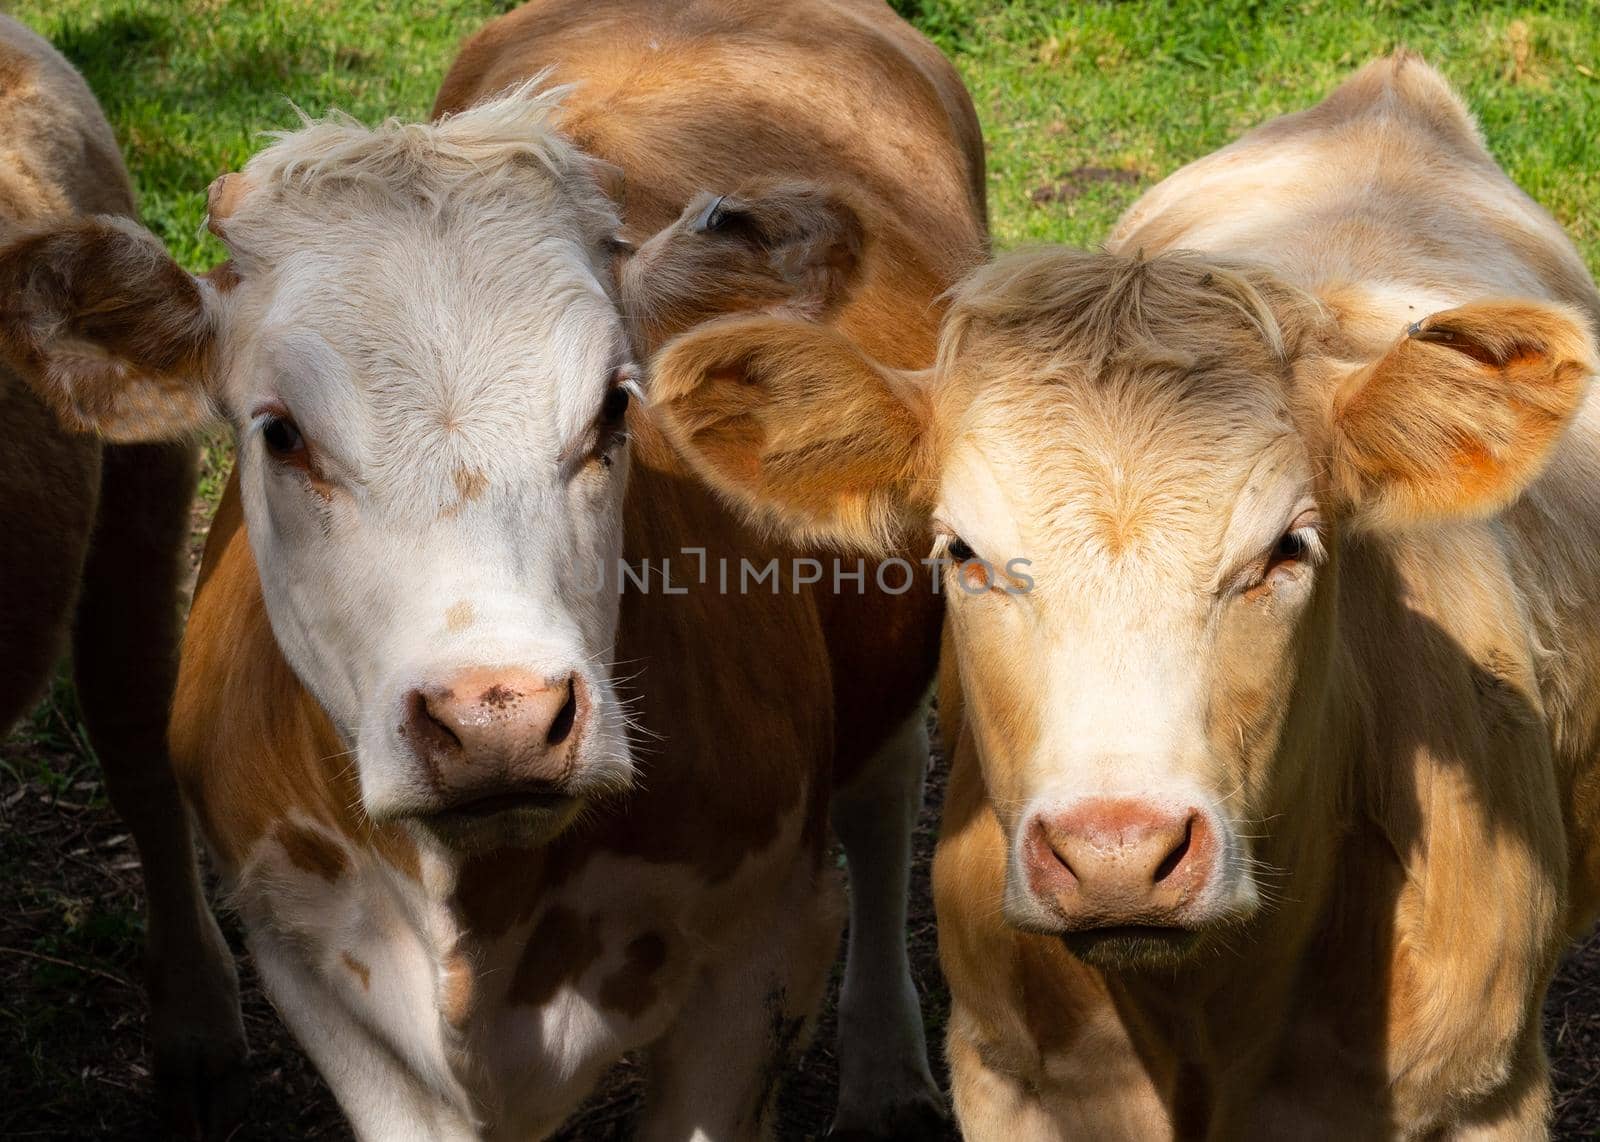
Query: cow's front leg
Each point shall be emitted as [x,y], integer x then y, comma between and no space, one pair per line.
[994,1105]
[1520,1110]
[392,1082]
[885,1087]
[125,658]
[714,1076]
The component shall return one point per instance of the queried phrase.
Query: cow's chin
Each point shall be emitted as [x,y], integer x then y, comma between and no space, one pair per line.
[1136,947]
[511,820]
[497,815]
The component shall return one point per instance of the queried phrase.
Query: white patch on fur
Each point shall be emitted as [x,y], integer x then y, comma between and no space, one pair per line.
[397,1067]
[373,1043]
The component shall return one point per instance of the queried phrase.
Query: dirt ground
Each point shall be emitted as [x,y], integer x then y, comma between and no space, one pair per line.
[72,1048]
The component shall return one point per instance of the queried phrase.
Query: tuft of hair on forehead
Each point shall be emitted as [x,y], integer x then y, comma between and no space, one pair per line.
[476,154]
[1093,310]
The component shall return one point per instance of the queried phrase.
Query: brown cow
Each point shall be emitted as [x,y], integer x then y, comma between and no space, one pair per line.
[1274,630]
[491,827]
[93,541]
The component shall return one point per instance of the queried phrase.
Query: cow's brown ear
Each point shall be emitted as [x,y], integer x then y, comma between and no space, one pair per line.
[790,248]
[110,332]
[1459,417]
[789,421]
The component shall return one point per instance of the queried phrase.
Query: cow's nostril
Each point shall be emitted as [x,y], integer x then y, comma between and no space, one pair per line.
[1060,857]
[488,731]
[565,717]
[1169,864]
[426,727]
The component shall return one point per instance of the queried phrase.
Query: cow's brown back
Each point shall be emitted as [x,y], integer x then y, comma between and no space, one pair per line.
[711,94]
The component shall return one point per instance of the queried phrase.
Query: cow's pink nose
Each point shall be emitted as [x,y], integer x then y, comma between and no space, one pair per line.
[1114,862]
[484,734]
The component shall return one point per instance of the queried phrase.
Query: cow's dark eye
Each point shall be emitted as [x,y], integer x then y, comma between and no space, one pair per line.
[1300,546]
[716,215]
[1291,547]
[1294,547]
[970,569]
[615,406]
[730,219]
[282,437]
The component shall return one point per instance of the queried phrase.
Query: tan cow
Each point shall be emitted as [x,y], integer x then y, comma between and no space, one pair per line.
[491,827]
[93,542]
[1273,644]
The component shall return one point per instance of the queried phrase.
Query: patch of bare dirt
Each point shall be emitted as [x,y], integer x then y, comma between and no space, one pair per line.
[1073,183]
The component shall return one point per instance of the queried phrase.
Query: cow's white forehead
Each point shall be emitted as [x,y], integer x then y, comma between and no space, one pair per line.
[432,287]
[430,358]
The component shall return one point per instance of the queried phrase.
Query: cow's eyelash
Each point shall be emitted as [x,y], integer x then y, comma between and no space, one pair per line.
[1314,545]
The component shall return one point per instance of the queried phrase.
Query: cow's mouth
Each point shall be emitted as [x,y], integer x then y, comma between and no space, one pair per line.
[1133,946]
[522,817]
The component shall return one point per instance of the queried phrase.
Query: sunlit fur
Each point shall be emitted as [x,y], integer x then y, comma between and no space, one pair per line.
[1506,375]
[1126,426]
[1373,335]
[742,398]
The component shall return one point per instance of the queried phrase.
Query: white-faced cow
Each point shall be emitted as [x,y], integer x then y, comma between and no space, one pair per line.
[93,539]
[490,821]
[1275,791]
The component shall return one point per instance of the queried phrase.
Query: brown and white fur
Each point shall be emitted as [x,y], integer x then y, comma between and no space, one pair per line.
[489,830]
[94,537]
[1275,789]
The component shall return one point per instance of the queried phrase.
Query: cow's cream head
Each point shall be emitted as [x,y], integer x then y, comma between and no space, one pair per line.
[420,344]
[1139,471]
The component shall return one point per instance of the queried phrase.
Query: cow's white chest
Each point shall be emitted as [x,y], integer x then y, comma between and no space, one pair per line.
[490,1037]
[600,969]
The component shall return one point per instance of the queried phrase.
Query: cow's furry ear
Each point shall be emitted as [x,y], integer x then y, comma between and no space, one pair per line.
[108,330]
[796,249]
[1459,417]
[793,424]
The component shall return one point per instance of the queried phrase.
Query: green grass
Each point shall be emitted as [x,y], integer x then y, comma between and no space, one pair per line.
[1146,87]
[1104,98]
[190,85]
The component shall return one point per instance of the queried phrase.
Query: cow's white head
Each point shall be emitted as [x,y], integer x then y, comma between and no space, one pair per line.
[420,345]
[1139,472]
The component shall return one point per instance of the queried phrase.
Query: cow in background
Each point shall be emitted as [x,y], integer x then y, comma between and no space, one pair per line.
[95,534]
